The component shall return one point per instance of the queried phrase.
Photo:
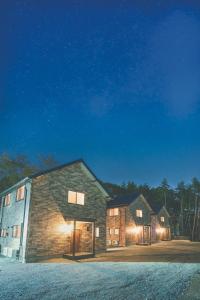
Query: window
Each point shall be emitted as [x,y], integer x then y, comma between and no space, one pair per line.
[21,193]
[139,213]
[97,231]
[109,242]
[76,198]
[112,231]
[162,219]
[7,200]
[4,232]
[114,211]
[16,231]
[116,231]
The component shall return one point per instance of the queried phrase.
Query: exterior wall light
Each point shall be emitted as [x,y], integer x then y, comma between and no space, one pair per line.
[160,230]
[137,229]
[66,228]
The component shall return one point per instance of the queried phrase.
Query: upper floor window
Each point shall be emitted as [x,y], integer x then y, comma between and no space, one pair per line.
[21,193]
[76,198]
[113,211]
[139,213]
[16,231]
[7,200]
[162,219]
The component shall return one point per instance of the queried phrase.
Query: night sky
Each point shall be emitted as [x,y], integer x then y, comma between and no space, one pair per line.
[117,85]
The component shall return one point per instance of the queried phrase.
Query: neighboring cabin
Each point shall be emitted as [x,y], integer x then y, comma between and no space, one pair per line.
[131,220]
[58,212]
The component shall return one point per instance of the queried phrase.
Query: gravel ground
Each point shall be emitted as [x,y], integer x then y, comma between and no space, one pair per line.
[95,280]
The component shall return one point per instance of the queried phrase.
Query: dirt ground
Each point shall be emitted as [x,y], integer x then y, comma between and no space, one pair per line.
[172,251]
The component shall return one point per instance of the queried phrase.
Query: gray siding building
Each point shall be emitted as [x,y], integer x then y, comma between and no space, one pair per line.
[59,212]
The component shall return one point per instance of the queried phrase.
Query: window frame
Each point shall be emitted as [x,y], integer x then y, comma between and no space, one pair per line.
[77,194]
[18,194]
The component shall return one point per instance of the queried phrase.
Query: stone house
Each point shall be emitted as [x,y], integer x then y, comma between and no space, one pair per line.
[55,213]
[164,225]
[131,220]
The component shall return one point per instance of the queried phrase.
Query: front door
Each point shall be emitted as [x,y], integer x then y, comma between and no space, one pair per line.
[80,241]
[147,234]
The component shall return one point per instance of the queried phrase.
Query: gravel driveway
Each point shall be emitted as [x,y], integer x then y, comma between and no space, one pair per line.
[105,280]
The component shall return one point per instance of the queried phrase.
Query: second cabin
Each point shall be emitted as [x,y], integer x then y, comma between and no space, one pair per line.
[131,220]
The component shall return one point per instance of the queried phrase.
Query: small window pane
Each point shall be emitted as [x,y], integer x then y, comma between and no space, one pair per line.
[72,197]
[80,198]
[97,231]
[162,219]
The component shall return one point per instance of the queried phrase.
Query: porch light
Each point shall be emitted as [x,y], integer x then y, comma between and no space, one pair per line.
[160,230]
[66,228]
[137,229]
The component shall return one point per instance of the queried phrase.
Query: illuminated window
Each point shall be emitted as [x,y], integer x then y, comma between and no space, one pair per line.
[7,200]
[117,231]
[97,231]
[162,219]
[139,213]
[114,212]
[21,193]
[16,231]
[76,198]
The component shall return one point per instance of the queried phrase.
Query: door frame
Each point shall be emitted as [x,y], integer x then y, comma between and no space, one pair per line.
[74,256]
[149,228]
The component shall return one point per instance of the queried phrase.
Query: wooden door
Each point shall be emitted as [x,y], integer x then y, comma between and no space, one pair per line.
[147,234]
[77,240]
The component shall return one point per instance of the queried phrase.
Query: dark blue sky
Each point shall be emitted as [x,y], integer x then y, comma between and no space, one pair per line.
[117,85]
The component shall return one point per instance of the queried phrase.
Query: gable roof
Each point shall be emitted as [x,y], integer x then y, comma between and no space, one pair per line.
[123,200]
[78,161]
[157,208]
[57,168]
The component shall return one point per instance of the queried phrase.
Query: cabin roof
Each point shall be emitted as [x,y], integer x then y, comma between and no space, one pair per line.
[123,200]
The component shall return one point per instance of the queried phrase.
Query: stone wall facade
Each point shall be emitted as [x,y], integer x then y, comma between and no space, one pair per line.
[49,211]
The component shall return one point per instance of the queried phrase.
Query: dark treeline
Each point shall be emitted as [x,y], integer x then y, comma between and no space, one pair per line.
[181,201]
[13,169]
